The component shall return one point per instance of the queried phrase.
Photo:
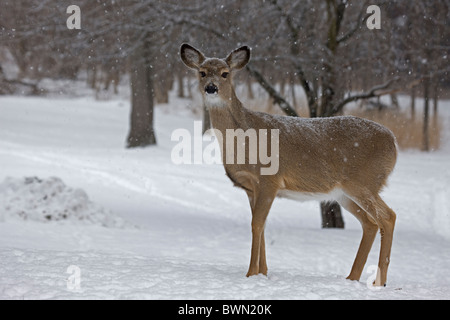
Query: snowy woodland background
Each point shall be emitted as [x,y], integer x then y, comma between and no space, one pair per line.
[92,207]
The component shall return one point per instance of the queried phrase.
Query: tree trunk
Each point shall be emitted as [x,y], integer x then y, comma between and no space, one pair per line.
[331,215]
[435,100]
[294,99]
[180,86]
[394,101]
[413,103]
[426,111]
[161,89]
[141,120]
[92,77]
[330,211]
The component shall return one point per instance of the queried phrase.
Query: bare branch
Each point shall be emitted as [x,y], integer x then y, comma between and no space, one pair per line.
[374,92]
[180,20]
[278,99]
[359,23]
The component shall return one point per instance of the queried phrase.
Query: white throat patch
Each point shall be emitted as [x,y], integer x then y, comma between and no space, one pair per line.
[214,101]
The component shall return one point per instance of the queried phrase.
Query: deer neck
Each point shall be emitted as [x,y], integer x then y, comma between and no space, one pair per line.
[229,114]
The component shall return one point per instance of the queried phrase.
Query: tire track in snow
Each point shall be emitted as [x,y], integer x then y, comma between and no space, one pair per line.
[146,185]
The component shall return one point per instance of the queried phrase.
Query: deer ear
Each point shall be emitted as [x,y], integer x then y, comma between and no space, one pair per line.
[238,58]
[191,57]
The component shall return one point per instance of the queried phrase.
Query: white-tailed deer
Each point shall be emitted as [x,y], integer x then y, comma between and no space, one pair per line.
[346,159]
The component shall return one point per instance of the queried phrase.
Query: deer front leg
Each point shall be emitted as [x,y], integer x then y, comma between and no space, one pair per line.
[260,209]
[262,256]
[258,263]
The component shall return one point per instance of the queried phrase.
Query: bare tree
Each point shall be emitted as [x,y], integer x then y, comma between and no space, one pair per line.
[323,46]
[141,127]
[422,46]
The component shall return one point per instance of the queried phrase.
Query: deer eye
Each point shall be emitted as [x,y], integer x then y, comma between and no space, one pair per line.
[202,74]
[225,75]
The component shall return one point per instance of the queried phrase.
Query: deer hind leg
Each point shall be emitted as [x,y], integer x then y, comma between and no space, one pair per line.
[260,202]
[262,256]
[369,233]
[385,219]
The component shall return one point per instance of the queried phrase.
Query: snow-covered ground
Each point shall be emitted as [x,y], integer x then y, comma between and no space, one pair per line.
[186,230]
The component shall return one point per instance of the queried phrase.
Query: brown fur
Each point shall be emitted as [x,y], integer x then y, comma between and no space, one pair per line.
[316,157]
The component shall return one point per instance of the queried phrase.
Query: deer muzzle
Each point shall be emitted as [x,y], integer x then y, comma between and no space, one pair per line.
[211,89]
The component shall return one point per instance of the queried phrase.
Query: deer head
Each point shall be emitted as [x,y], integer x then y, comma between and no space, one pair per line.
[215,75]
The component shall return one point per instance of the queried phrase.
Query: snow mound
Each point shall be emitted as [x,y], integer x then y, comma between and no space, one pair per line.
[50,200]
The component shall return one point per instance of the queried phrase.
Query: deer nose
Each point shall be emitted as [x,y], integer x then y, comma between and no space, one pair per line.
[211,89]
